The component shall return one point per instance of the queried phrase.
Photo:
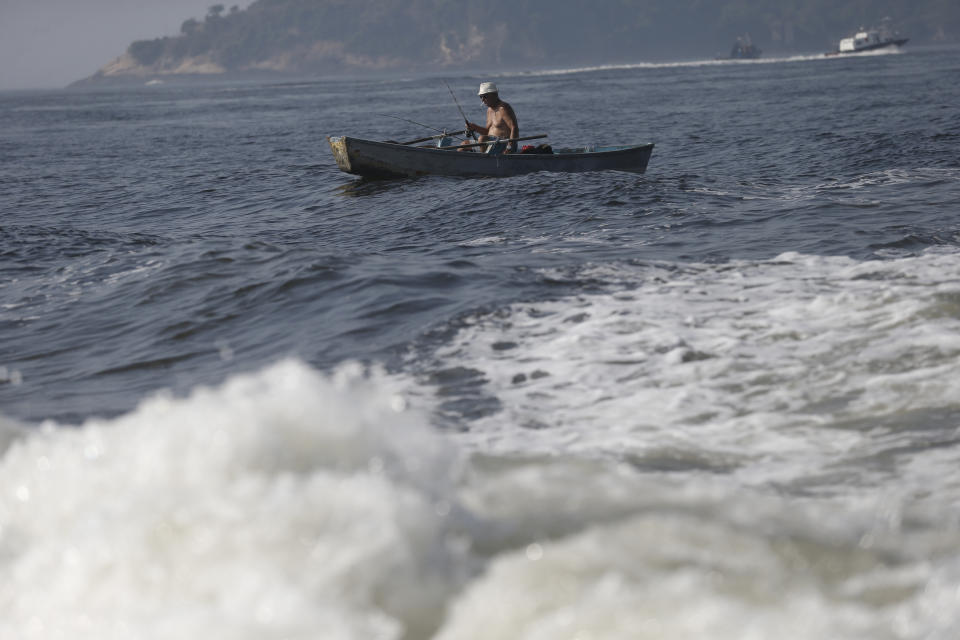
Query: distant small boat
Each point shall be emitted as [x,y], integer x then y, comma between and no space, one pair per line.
[744,49]
[390,159]
[869,40]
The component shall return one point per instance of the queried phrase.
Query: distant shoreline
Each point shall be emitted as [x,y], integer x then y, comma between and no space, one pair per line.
[97,81]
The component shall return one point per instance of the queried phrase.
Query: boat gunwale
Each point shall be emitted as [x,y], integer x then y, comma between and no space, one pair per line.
[566,152]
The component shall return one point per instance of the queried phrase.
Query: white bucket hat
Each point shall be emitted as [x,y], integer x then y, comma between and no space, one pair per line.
[487,87]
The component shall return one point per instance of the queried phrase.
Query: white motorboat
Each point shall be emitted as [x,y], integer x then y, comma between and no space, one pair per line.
[869,40]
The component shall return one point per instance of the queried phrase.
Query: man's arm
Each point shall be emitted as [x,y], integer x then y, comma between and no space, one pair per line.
[510,119]
[481,130]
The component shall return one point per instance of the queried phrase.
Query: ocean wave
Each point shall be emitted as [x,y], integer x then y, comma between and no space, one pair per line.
[289,503]
[279,504]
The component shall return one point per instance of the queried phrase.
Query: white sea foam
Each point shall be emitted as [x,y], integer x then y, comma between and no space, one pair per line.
[290,504]
[694,559]
[696,580]
[283,505]
[480,242]
[791,371]
[738,450]
[817,397]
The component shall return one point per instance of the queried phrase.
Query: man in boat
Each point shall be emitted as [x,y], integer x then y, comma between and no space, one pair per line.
[501,120]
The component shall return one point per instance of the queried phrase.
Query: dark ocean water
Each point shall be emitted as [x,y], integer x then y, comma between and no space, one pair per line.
[723,395]
[147,230]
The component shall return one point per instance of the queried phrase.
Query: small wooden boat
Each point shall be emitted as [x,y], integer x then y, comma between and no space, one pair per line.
[387,159]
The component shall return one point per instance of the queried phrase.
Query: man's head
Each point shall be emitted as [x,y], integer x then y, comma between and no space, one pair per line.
[488,93]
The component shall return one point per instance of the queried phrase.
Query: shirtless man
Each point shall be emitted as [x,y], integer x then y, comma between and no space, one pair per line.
[501,120]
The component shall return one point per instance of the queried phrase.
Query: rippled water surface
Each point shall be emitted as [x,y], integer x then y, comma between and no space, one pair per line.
[242,390]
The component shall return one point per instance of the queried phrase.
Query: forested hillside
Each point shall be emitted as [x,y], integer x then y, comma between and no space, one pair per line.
[304,36]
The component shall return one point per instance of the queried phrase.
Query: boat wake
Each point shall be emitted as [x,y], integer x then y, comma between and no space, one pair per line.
[695,63]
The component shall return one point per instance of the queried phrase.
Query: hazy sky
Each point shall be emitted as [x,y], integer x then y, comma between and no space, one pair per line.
[51,43]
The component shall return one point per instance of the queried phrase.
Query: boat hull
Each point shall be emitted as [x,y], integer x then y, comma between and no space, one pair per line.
[882,45]
[388,160]
[871,47]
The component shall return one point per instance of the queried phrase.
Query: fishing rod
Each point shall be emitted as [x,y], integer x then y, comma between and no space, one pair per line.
[426,126]
[436,137]
[470,132]
[443,131]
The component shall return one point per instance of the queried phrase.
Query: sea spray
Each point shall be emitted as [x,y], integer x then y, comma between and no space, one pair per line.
[287,504]
[280,504]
